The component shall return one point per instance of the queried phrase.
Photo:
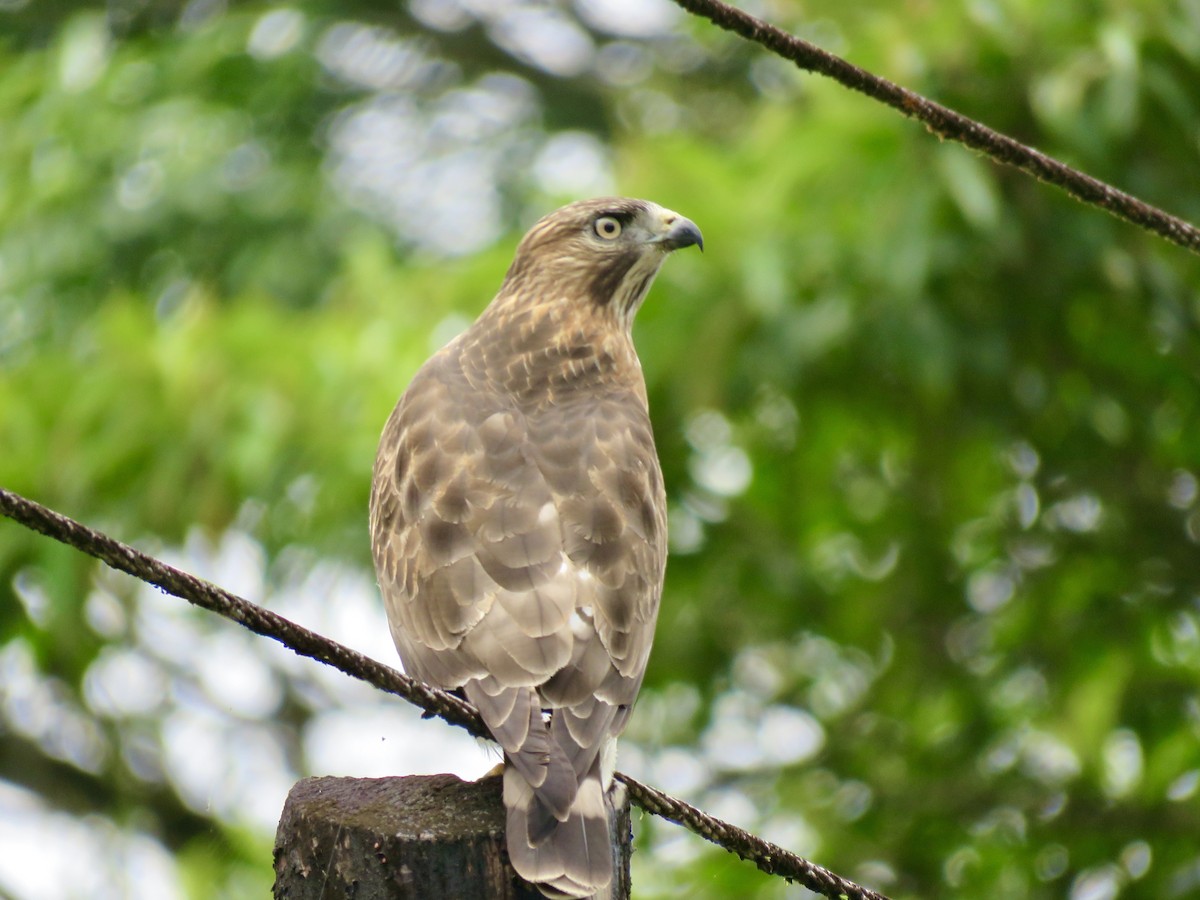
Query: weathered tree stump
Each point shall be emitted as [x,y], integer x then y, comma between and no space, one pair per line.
[424,837]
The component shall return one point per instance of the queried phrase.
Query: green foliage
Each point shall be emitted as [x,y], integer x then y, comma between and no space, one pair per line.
[931,430]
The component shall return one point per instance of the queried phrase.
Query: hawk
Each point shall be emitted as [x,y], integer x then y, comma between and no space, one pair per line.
[518,524]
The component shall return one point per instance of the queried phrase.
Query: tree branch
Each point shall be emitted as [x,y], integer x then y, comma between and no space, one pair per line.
[947,123]
[772,859]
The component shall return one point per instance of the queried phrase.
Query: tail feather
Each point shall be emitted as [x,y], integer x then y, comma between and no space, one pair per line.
[558,818]
[515,720]
[581,732]
[572,857]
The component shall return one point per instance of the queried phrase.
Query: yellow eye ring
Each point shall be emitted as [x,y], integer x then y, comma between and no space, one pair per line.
[608,228]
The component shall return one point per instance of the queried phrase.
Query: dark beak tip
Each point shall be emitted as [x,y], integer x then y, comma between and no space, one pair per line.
[684,233]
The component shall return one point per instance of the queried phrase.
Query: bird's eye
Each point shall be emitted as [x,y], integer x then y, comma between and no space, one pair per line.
[608,228]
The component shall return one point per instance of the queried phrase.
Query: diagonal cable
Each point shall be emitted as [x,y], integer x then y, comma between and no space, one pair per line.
[946,123]
[770,858]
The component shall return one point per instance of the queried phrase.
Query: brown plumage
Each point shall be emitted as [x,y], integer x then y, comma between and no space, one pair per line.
[518,524]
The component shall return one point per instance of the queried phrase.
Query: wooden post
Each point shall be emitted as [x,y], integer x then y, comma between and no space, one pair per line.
[414,838]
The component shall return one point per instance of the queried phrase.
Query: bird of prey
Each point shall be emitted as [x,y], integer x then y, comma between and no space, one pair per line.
[518,524]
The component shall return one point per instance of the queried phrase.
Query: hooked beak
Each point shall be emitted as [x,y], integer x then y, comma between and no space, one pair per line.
[680,232]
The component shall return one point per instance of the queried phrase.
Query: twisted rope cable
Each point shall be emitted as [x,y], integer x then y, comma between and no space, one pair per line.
[948,124]
[768,857]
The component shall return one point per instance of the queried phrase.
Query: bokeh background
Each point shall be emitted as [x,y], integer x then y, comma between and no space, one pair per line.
[931,430]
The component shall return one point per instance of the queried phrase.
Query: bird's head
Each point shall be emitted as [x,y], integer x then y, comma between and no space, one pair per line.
[605,251]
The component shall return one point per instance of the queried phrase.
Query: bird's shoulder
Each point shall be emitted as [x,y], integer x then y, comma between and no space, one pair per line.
[464,433]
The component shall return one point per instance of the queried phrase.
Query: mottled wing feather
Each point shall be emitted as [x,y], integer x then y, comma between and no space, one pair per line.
[614,526]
